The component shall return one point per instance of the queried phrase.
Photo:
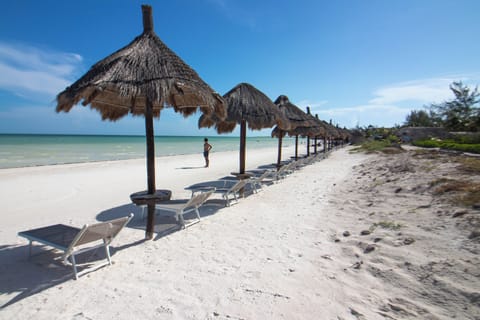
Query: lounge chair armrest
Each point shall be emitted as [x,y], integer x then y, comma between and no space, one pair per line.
[202,189]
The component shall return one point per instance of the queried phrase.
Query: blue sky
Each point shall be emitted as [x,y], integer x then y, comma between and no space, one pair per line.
[357,62]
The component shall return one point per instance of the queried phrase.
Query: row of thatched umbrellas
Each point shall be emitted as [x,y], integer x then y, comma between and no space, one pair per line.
[146,76]
[248,106]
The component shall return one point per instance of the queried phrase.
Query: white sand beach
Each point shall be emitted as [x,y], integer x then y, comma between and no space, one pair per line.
[353,236]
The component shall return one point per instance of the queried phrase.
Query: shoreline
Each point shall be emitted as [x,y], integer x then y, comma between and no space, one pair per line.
[18,151]
[130,159]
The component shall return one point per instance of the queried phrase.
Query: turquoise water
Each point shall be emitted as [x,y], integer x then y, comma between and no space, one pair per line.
[24,150]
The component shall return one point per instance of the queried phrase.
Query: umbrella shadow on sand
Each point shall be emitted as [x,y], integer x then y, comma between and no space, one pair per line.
[22,275]
[165,222]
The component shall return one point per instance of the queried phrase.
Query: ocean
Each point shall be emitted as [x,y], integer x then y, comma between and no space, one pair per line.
[25,150]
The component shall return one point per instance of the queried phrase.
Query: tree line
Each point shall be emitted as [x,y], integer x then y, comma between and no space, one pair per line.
[462,113]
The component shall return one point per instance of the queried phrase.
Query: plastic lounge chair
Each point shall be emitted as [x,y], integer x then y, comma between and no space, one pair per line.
[233,191]
[303,162]
[256,182]
[229,191]
[285,170]
[180,207]
[73,241]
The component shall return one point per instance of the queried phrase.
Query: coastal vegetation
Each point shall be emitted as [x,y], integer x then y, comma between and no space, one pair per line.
[448,144]
[461,114]
[372,146]
[462,192]
[378,140]
[458,119]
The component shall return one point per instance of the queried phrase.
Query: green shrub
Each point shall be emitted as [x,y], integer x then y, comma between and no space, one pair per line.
[448,145]
[467,138]
[393,139]
[374,145]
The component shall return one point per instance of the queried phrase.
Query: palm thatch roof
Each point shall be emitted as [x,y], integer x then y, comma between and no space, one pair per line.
[145,69]
[332,132]
[246,103]
[316,128]
[344,133]
[300,122]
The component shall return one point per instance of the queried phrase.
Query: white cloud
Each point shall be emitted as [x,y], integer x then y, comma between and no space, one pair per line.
[363,115]
[314,105]
[37,81]
[26,69]
[422,91]
[392,103]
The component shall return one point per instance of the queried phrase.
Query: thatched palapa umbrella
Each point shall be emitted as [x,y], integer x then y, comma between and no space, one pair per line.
[332,133]
[142,78]
[312,129]
[325,135]
[246,105]
[297,119]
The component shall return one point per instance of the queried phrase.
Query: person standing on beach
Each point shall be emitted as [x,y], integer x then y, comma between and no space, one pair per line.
[206,150]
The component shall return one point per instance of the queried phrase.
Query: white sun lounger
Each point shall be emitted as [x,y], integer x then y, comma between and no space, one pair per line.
[236,189]
[229,192]
[285,170]
[182,207]
[256,182]
[73,241]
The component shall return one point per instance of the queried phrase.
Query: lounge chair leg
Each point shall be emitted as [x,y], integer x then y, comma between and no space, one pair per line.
[74,265]
[227,203]
[107,253]
[182,221]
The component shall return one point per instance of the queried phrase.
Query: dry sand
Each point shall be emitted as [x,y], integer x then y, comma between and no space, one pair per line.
[292,251]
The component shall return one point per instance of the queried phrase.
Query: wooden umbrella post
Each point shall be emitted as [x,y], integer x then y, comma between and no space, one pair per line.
[296,147]
[308,137]
[308,146]
[279,159]
[150,167]
[243,138]
[147,18]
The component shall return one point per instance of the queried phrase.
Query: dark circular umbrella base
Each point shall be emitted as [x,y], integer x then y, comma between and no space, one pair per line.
[241,176]
[144,198]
